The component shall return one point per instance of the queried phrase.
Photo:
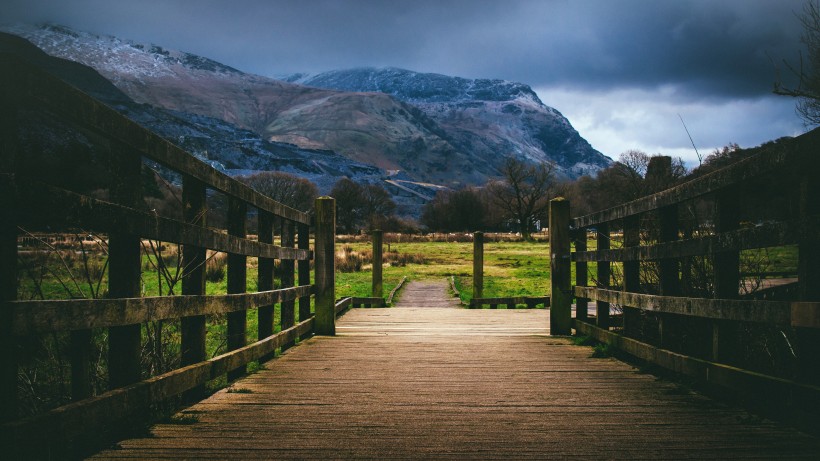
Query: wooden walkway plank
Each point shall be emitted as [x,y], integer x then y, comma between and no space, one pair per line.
[447,383]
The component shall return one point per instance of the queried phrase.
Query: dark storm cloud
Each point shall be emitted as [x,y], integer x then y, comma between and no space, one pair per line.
[622,71]
[705,48]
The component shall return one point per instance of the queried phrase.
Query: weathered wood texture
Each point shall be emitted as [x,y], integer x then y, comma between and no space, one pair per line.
[427,293]
[104,216]
[560,268]
[377,284]
[50,435]
[422,383]
[512,302]
[478,265]
[60,315]
[325,266]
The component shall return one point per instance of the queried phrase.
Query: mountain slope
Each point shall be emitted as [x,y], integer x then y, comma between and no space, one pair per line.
[64,156]
[488,118]
[437,129]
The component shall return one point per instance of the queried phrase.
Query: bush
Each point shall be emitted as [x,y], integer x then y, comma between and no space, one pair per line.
[215,267]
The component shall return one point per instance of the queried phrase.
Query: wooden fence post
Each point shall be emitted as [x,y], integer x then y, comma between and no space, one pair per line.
[478,266]
[237,281]
[808,273]
[265,282]
[124,270]
[603,275]
[8,292]
[632,272]
[668,268]
[193,280]
[581,276]
[726,267]
[303,243]
[325,272]
[378,287]
[560,265]
[288,308]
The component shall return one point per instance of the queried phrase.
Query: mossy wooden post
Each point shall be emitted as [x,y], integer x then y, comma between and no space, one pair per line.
[264,314]
[303,267]
[325,275]
[378,287]
[124,269]
[581,276]
[560,268]
[288,308]
[669,268]
[808,269]
[726,268]
[632,274]
[8,292]
[193,279]
[478,265]
[237,281]
[603,274]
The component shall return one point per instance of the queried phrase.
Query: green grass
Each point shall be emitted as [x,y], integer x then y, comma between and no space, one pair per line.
[510,268]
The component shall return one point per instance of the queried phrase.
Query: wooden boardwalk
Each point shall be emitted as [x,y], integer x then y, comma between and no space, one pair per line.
[436,383]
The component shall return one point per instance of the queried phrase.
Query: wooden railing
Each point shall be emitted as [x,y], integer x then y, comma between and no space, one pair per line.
[478,300]
[27,202]
[695,322]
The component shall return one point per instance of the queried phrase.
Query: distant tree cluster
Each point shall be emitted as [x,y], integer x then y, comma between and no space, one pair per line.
[360,207]
[635,175]
[519,198]
[293,191]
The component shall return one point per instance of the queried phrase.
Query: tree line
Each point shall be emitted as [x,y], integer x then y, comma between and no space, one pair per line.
[516,201]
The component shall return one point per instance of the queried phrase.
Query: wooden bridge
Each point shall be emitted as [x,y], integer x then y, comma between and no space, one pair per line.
[450,383]
[426,379]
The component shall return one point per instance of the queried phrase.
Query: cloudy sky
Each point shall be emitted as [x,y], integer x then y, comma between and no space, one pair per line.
[623,71]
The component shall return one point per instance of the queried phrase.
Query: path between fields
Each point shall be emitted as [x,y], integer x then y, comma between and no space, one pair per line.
[427,293]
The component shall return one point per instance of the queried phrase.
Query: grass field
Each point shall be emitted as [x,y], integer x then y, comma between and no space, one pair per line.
[510,268]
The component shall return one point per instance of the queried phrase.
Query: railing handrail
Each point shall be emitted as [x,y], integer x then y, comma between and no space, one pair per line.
[26,86]
[757,165]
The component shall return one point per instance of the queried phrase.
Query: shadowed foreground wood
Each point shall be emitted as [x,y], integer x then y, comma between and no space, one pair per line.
[459,384]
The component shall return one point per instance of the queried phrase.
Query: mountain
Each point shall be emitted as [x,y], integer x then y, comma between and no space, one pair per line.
[429,138]
[53,149]
[488,118]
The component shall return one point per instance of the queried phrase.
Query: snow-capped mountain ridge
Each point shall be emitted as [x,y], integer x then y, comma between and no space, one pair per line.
[115,54]
[434,128]
[417,87]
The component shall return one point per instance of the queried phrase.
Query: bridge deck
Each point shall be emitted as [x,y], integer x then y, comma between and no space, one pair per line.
[459,384]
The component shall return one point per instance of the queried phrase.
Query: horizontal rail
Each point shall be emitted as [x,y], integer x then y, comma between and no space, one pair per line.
[796,314]
[72,420]
[368,301]
[84,110]
[530,301]
[395,290]
[101,215]
[753,167]
[726,376]
[77,314]
[767,235]
[343,304]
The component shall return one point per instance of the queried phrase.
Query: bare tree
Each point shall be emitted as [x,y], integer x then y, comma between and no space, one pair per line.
[293,191]
[807,90]
[524,192]
[349,199]
[378,206]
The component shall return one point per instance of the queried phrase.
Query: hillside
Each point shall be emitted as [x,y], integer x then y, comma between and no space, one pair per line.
[443,139]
